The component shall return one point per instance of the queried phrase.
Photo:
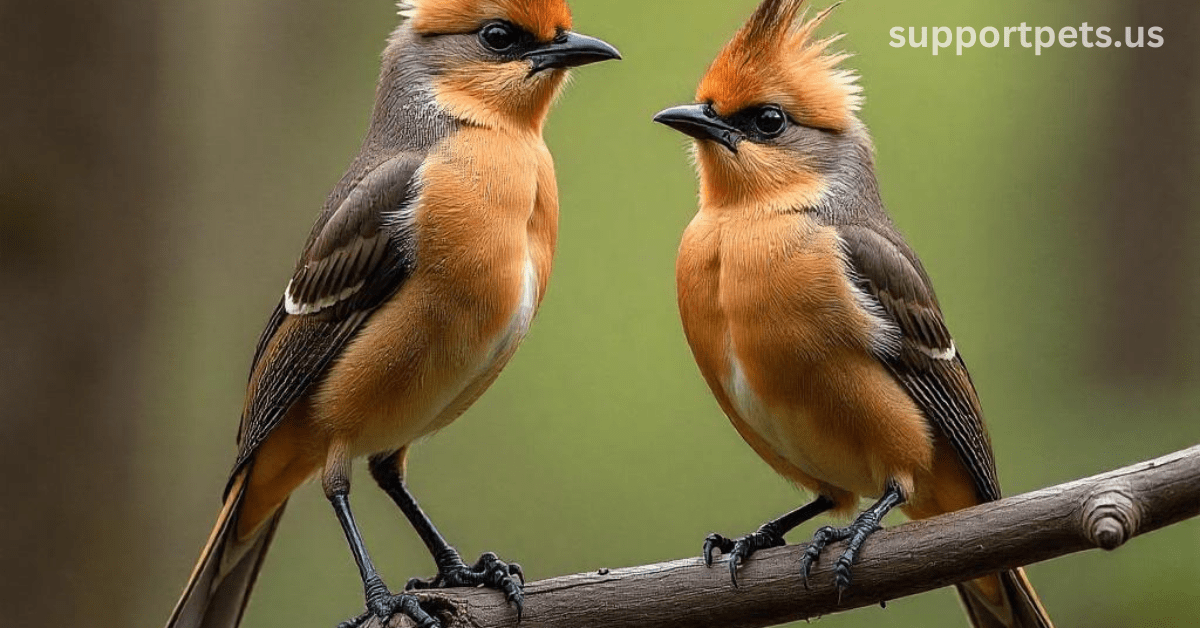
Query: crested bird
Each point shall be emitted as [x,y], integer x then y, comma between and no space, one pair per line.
[418,282]
[813,322]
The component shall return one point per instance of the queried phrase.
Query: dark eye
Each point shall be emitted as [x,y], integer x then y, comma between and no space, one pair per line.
[770,121]
[499,36]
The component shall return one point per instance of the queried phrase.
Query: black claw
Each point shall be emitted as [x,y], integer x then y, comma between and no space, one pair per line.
[382,604]
[734,560]
[805,568]
[856,532]
[489,571]
[811,553]
[715,541]
[823,537]
[412,608]
[842,575]
[739,551]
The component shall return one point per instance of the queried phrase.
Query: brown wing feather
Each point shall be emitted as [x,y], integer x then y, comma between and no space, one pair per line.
[360,248]
[926,363]
[359,254]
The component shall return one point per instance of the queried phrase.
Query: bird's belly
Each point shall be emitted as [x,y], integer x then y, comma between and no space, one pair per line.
[774,325]
[818,443]
[438,360]
[495,356]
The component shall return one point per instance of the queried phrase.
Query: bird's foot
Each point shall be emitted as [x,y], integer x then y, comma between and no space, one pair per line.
[856,532]
[741,549]
[383,605]
[489,571]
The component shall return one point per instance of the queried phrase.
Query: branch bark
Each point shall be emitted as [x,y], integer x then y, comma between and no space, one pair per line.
[1102,511]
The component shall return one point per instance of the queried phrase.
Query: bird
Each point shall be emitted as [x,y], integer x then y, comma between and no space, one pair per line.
[813,322]
[419,280]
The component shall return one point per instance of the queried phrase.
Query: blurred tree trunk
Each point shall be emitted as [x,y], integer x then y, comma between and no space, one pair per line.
[1149,207]
[79,176]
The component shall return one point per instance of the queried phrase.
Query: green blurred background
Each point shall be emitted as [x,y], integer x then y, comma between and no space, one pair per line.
[165,161]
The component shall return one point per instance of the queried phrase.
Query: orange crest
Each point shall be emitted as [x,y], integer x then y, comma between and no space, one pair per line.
[774,59]
[543,18]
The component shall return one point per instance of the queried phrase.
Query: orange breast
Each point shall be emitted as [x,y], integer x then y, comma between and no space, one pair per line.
[486,229]
[783,344]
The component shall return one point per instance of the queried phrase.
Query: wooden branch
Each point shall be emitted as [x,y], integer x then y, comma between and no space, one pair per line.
[1103,511]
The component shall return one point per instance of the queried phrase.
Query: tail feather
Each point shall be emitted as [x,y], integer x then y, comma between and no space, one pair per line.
[217,593]
[1018,605]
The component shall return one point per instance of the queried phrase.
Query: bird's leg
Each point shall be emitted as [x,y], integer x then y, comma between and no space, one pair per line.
[488,571]
[380,601]
[769,535]
[866,524]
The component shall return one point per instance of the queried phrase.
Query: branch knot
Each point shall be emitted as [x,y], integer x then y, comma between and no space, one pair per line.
[1101,511]
[1111,517]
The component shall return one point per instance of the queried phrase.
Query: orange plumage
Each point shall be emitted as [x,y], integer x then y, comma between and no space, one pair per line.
[811,319]
[543,18]
[775,58]
[420,279]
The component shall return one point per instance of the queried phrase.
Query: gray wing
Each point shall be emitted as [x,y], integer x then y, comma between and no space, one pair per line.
[926,361]
[360,253]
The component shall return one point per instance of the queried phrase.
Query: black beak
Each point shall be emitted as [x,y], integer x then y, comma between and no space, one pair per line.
[570,50]
[702,123]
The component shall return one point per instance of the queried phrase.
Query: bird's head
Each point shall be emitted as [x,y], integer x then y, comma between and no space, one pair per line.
[492,62]
[774,117]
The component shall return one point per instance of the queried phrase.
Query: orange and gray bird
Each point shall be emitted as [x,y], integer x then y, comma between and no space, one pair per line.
[812,321]
[420,278]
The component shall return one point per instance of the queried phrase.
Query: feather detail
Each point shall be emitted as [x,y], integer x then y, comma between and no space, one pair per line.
[544,18]
[775,58]
[298,308]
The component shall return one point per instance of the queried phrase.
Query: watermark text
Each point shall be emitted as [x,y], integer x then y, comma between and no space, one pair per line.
[1037,37]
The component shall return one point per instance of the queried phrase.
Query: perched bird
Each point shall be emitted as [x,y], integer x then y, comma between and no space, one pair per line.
[811,319]
[418,282]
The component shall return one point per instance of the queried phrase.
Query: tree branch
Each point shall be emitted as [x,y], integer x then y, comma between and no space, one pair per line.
[1102,511]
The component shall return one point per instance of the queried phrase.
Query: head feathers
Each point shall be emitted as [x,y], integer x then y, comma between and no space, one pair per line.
[543,18]
[774,59]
